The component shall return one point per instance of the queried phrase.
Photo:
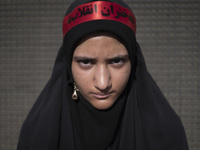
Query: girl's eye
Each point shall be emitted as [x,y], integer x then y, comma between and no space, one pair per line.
[117,61]
[85,63]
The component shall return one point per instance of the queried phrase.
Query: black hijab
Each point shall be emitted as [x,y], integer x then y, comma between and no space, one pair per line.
[141,119]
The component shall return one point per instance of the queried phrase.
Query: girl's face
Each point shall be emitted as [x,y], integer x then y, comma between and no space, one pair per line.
[101,69]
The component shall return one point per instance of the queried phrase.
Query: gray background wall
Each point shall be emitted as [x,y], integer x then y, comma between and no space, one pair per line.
[31,34]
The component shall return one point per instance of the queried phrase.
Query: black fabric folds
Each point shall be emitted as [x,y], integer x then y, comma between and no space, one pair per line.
[141,119]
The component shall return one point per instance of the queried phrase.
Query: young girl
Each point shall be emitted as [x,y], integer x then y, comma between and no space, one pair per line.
[100,95]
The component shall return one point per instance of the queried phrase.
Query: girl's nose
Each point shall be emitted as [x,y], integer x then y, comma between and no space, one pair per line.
[102,78]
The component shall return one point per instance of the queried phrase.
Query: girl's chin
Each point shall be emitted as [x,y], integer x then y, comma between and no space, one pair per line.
[102,104]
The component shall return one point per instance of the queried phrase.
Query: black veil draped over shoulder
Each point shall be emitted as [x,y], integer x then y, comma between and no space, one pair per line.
[141,118]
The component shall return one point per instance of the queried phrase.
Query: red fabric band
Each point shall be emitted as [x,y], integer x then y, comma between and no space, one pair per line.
[99,10]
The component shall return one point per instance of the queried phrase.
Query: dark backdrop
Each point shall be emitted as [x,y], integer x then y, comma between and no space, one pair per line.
[31,34]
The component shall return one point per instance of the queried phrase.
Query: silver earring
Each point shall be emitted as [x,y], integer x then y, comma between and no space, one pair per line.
[75,95]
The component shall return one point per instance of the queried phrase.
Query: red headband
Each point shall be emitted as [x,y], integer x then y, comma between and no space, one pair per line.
[99,10]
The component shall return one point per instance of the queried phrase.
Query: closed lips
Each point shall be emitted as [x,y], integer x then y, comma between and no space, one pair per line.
[101,95]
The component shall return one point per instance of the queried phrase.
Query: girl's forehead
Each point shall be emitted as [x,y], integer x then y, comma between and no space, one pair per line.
[98,34]
[102,45]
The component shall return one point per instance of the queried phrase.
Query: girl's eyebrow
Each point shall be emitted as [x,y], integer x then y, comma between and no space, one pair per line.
[126,56]
[83,58]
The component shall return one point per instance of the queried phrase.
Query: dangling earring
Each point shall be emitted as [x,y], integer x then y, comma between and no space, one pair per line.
[75,95]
